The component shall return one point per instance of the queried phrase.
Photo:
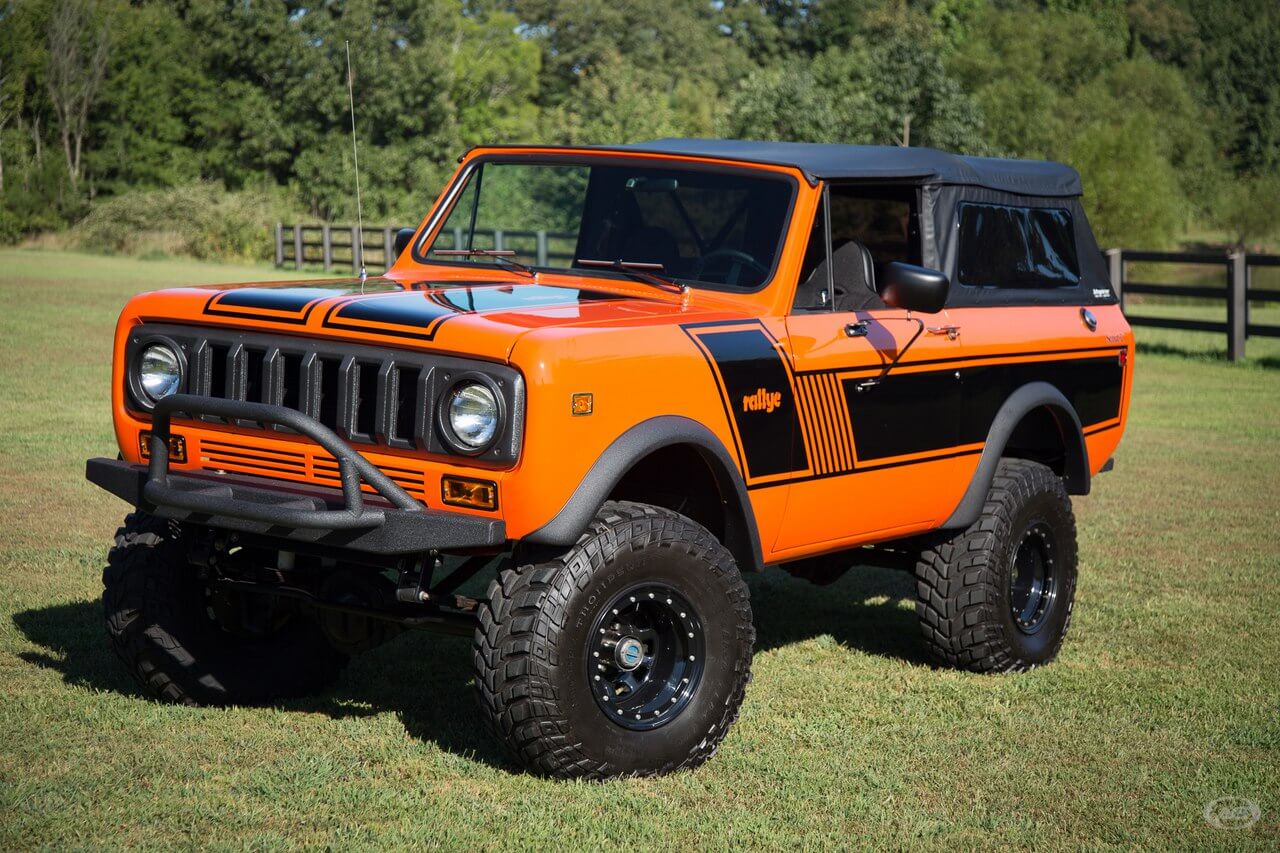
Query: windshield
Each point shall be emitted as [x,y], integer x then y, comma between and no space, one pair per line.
[719,229]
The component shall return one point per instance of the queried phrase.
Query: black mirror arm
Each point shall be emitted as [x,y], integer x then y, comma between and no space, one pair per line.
[868,384]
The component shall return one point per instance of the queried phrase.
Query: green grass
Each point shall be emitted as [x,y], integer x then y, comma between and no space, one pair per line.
[1165,698]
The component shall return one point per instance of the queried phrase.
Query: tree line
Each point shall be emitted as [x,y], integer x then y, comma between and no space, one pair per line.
[1169,108]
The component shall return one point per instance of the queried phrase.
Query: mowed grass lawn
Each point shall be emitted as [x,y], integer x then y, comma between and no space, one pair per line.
[1166,696]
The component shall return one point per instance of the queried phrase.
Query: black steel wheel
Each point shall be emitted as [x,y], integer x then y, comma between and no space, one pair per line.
[1033,583]
[626,655]
[997,597]
[646,654]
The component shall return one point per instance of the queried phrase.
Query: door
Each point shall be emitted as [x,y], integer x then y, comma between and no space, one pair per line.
[877,388]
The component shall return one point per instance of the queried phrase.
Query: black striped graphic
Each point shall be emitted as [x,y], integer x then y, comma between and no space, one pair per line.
[824,415]
[749,367]
[834,424]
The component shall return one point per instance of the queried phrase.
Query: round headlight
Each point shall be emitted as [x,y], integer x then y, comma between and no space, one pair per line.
[159,372]
[472,409]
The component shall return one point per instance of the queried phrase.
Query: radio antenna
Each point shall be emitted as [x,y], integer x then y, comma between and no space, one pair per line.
[357,250]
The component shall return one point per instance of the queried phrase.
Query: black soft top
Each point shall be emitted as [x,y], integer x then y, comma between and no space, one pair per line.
[821,161]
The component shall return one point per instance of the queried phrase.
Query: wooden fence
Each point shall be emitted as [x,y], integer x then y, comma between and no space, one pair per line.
[331,246]
[1237,292]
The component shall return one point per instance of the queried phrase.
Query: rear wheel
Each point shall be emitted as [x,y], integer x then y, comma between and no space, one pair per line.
[186,644]
[998,596]
[628,654]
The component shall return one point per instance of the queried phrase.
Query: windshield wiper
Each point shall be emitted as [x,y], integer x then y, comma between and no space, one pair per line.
[502,256]
[642,270]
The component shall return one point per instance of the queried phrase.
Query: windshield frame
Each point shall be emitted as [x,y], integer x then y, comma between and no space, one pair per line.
[460,183]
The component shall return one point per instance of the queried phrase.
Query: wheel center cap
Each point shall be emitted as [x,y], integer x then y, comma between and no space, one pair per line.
[628,653]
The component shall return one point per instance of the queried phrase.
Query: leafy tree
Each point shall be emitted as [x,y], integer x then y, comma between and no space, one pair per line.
[79,42]
[1238,66]
[1248,209]
[1131,192]
[890,92]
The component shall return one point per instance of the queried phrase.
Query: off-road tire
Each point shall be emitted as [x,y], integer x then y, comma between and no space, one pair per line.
[963,584]
[160,625]
[530,647]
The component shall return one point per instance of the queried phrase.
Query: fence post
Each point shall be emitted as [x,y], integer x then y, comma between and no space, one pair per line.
[457,238]
[326,246]
[279,244]
[1248,285]
[498,240]
[297,247]
[1115,268]
[357,249]
[388,247]
[542,248]
[1237,275]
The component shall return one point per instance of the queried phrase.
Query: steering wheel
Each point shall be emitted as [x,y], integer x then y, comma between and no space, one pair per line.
[738,260]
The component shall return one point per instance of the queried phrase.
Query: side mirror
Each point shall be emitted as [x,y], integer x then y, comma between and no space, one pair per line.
[403,238]
[914,288]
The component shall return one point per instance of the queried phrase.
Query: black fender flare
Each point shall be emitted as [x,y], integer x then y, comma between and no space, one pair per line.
[1029,397]
[634,445]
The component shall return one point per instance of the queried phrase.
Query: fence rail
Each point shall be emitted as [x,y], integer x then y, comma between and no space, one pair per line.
[331,246]
[1237,293]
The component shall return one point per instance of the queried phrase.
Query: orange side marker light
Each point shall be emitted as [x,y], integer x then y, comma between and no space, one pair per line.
[177,447]
[472,494]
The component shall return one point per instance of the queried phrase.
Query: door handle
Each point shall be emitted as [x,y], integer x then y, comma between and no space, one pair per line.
[952,332]
[856,330]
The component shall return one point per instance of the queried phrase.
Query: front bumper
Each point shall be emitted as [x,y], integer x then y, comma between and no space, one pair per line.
[396,524]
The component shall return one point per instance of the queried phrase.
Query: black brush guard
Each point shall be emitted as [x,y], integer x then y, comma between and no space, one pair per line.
[269,507]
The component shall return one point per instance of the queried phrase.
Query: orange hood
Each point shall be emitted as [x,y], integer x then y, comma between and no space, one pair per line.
[482,319]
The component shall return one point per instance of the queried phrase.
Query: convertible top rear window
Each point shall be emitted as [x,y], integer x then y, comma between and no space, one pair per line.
[1017,247]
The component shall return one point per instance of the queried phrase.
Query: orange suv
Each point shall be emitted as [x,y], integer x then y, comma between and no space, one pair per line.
[616,379]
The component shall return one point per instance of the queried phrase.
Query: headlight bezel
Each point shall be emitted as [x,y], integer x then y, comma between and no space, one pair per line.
[137,390]
[445,424]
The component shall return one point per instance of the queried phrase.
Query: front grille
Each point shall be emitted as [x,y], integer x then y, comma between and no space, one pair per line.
[367,395]
[367,400]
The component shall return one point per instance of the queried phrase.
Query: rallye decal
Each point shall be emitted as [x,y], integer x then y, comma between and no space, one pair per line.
[755,387]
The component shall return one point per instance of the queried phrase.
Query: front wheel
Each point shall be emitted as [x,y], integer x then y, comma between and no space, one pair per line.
[997,597]
[627,655]
[185,644]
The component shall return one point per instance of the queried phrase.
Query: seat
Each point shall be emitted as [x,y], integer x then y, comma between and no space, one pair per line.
[854,276]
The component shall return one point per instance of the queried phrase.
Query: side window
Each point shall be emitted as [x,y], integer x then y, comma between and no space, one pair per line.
[870,227]
[1030,248]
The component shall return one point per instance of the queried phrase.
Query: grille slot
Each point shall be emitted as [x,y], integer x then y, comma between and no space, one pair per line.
[326,408]
[365,379]
[219,354]
[291,381]
[403,420]
[255,382]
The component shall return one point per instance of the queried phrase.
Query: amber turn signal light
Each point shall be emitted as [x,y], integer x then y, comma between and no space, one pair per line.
[583,404]
[177,447]
[472,494]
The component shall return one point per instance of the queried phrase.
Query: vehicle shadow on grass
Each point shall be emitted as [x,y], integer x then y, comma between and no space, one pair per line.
[425,679]
[1215,355]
